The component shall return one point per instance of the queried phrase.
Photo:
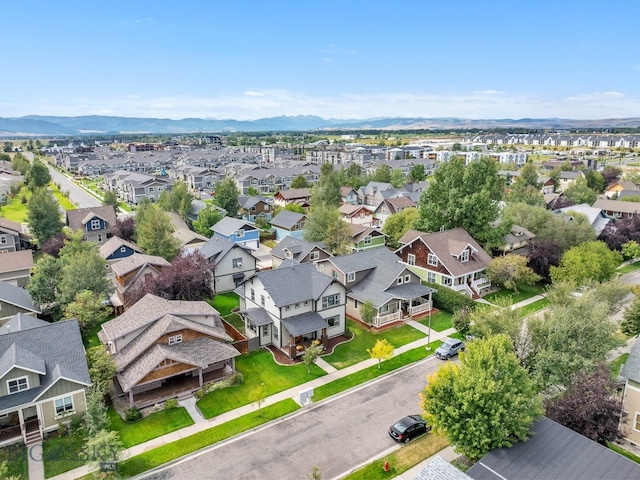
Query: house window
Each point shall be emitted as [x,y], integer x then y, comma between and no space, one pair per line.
[95,224]
[351,277]
[321,268]
[637,422]
[240,233]
[464,256]
[237,262]
[297,305]
[399,281]
[330,300]
[99,237]
[411,259]
[251,326]
[175,339]
[150,189]
[335,275]
[334,321]
[431,277]
[262,300]
[18,385]
[446,281]
[253,295]
[287,307]
[275,333]
[432,260]
[123,249]
[384,309]
[367,240]
[265,330]
[3,239]
[64,405]
[314,256]
[407,278]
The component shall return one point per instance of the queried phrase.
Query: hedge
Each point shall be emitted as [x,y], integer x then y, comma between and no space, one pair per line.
[447,299]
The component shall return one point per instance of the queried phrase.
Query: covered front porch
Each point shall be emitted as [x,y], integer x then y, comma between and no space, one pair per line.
[303,330]
[20,425]
[471,284]
[408,300]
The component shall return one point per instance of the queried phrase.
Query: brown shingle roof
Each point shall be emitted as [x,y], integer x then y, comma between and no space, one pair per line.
[13,261]
[76,219]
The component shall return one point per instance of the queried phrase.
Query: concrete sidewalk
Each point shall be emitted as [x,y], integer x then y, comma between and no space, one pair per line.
[292,393]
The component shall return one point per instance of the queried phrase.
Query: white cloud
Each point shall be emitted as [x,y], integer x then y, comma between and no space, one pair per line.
[251,93]
[488,92]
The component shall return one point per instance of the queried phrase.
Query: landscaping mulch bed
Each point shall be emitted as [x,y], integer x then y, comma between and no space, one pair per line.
[282,359]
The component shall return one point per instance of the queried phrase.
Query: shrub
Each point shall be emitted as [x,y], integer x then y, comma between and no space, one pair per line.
[449,300]
[171,403]
[198,394]
[132,415]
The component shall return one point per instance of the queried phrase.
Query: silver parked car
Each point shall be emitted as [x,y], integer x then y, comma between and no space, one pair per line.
[449,348]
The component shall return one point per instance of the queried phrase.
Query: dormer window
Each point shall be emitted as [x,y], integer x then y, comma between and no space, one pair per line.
[367,240]
[17,385]
[351,277]
[173,340]
[288,254]
[432,260]
[240,233]
[399,281]
[464,256]
[95,224]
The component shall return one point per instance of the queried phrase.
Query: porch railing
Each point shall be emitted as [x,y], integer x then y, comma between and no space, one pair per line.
[481,283]
[423,307]
[381,320]
[10,432]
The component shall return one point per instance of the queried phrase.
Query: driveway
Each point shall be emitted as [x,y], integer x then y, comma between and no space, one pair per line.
[336,435]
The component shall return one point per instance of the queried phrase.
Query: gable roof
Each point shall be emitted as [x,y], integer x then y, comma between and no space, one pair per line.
[358,232]
[295,283]
[115,243]
[9,225]
[350,210]
[17,296]
[248,202]
[229,225]
[631,368]
[446,245]
[78,218]
[55,349]
[554,452]
[21,321]
[135,261]
[299,248]
[617,205]
[217,247]
[287,219]
[20,260]
[294,193]
[596,216]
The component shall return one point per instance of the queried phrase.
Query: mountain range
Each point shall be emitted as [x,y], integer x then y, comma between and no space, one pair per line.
[38,125]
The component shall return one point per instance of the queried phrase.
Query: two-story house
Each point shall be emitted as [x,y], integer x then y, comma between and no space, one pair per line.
[516,241]
[43,376]
[348,195]
[96,223]
[356,214]
[288,223]
[130,272]
[451,258]
[299,196]
[298,251]
[14,300]
[159,342]
[12,236]
[231,263]
[291,306]
[238,231]
[253,208]
[378,276]
[15,267]
[365,238]
[390,206]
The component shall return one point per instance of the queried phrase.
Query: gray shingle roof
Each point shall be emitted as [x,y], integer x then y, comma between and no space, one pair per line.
[298,248]
[229,225]
[21,321]
[17,296]
[554,452]
[135,261]
[258,316]
[631,368]
[58,346]
[287,219]
[217,247]
[76,219]
[304,323]
[294,284]
[295,193]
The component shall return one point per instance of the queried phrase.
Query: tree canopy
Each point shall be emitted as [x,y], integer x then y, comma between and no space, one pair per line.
[588,261]
[154,232]
[178,199]
[43,215]
[227,196]
[207,218]
[397,225]
[38,175]
[511,271]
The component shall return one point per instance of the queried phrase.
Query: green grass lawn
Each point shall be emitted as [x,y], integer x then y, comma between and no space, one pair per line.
[15,210]
[372,372]
[64,202]
[155,425]
[439,322]
[534,307]
[262,377]
[616,364]
[166,453]
[623,452]
[236,321]
[632,267]
[355,351]
[16,458]
[524,292]
[92,339]
[225,303]
[62,454]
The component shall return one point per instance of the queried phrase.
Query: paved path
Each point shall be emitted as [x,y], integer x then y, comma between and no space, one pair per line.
[292,393]
[36,465]
[190,405]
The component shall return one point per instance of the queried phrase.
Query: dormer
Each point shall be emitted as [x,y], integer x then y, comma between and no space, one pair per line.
[20,370]
[461,250]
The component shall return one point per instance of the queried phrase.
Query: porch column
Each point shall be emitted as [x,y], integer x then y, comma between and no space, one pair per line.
[21,422]
[200,376]
[131,398]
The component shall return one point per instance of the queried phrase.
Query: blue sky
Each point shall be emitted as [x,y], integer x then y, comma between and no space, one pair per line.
[335,59]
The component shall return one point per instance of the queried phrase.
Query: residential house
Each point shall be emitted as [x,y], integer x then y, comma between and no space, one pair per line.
[356,214]
[451,258]
[568,178]
[175,344]
[630,372]
[188,240]
[615,189]
[290,307]
[374,193]
[299,196]
[15,267]
[348,195]
[238,231]
[389,206]
[12,236]
[43,376]
[378,276]
[232,263]
[516,241]
[547,185]
[298,251]
[287,223]
[617,209]
[96,223]
[132,187]
[596,216]
[553,452]
[14,300]
[253,208]
[365,238]
[130,272]
[116,248]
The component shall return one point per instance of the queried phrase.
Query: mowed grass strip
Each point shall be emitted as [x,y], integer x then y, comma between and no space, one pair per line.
[262,377]
[161,455]
[355,351]
[439,321]
[152,426]
[369,373]
[524,292]
[224,303]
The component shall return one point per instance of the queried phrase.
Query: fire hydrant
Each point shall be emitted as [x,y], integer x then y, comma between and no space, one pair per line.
[386,466]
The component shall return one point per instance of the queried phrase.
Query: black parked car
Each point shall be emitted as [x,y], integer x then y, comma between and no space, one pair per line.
[408,428]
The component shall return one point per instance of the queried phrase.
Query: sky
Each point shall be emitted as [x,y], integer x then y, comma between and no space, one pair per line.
[344,59]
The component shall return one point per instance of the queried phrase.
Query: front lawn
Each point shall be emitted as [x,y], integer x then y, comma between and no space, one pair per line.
[632,267]
[16,458]
[224,303]
[161,455]
[355,351]
[262,377]
[15,210]
[534,307]
[616,364]
[524,292]
[62,454]
[369,373]
[440,321]
[155,425]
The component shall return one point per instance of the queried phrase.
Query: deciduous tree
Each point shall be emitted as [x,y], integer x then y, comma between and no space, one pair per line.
[89,309]
[178,199]
[111,198]
[486,401]
[368,312]
[44,281]
[542,255]
[125,228]
[588,261]
[511,271]
[43,215]
[630,324]
[227,196]
[417,173]
[102,368]
[207,218]
[311,354]
[397,225]
[85,270]
[397,179]
[154,233]
[382,350]
[299,182]
[38,175]
[325,224]
[579,192]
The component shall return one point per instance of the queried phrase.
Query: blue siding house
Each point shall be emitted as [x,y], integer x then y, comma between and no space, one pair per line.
[238,231]
[287,223]
[117,248]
